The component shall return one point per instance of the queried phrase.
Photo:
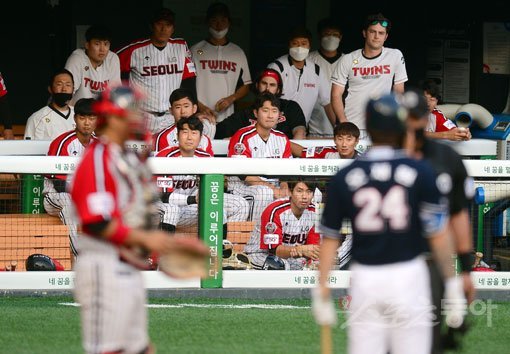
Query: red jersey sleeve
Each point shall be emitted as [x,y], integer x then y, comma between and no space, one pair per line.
[313,237]
[288,152]
[3,89]
[209,149]
[270,229]
[189,66]
[236,148]
[443,124]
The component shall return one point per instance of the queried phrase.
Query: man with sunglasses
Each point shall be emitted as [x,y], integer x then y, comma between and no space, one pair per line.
[373,70]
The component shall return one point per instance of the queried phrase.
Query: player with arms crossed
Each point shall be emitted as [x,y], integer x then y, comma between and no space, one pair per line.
[182,190]
[286,232]
[114,199]
[57,201]
[395,208]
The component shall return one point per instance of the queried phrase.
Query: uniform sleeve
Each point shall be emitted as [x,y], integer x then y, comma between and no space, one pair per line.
[443,124]
[74,67]
[433,208]
[294,114]
[313,237]
[115,79]
[288,151]
[400,68]
[30,128]
[189,66]
[209,149]
[340,74]
[270,229]
[324,89]
[334,208]
[237,148]
[160,141]
[125,60]
[463,186]
[5,109]
[246,77]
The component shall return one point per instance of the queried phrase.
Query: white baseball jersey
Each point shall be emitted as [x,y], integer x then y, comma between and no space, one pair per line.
[367,78]
[48,123]
[169,138]
[306,86]
[323,152]
[437,122]
[219,70]
[90,82]
[246,142]
[319,124]
[157,72]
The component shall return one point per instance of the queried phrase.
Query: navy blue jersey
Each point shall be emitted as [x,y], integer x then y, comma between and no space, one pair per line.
[393,202]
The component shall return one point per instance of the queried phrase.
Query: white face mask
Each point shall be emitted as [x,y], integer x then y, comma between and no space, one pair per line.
[298,53]
[330,43]
[218,34]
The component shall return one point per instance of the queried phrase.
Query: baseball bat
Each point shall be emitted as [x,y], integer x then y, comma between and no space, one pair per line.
[326,341]
[478,258]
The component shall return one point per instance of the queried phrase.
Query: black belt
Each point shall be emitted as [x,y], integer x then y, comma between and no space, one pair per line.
[157,114]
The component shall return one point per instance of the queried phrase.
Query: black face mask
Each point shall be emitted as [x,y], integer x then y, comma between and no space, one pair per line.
[61,98]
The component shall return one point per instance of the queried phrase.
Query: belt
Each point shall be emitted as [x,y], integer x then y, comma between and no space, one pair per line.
[157,114]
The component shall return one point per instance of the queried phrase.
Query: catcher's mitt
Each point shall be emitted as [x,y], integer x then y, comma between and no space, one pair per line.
[188,259]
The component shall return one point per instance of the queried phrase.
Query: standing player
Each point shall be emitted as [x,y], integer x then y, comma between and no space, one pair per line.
[395,207]
[260,140]
[223,75]
[286,230]
[57,201]
[158,65]
[184,190]
[95,66]
[56,117]
[113,197]
[346,137]
[371,71]
[182,105]
[459,189]
[5,111]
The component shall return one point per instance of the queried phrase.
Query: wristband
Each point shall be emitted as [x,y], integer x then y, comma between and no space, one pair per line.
[465,261]
[191,200]
[120,235]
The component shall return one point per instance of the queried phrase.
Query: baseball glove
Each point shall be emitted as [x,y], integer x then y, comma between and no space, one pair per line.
[188,259]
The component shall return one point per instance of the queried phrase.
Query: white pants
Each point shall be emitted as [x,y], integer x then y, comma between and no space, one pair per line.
[112,298]
[59,204]
[260,197]
[391,309]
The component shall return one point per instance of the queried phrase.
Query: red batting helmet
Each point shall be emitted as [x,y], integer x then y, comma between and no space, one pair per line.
[118,100]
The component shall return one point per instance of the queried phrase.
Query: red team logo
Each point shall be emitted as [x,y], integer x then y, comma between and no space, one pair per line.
[372,71]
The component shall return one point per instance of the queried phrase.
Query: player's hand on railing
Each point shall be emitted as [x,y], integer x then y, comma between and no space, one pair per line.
[309,251]
[454,302]
[323,309]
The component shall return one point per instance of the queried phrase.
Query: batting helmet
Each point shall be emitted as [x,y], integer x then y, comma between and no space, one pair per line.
[118,101]
[273,263]
[386,114]
[39,262]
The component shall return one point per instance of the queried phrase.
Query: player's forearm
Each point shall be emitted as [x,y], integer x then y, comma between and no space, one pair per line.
[296,149]
[338,107]
[461,230]
[328,251]
[330,113]
[241,92]
[285,252]
[442,251]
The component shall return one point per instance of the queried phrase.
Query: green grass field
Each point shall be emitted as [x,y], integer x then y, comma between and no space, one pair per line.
[42,325]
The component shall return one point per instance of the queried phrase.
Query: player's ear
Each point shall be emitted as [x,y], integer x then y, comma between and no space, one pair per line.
[364,32]
[195,108]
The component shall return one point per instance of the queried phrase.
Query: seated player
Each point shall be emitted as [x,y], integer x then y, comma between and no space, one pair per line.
[346,137]
[260,140]
[438,126]
[183,104]
[286,230]
[181,191]
[57,201]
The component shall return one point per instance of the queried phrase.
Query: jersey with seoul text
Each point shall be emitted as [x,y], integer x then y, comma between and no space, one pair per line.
[112,183]
[48,123]
[306,86]
[220,68]
[278,219]
[168,138]
[89,82]
[367,77]
[438,122]
[157,72]
[248,143]
[178,185]
[393,202]
[323,152]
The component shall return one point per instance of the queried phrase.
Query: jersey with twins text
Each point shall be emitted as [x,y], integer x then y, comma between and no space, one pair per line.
[248,143]
[90,82]
[438,122]
[168,138]
[279,226]
[367,77]
[220,68]
[158,72]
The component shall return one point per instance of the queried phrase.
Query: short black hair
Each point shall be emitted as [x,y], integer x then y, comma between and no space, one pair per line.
[163,14]
[193,122]
[374,18]
[326,23]
[431,87]
[180,93]
[60,72]
[99,32]
[347,128]
[83,107]
[266,96]
[217,9]
[309,183]
[300,32]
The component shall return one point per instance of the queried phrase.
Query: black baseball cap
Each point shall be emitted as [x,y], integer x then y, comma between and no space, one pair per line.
[217,9]
[164,14]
